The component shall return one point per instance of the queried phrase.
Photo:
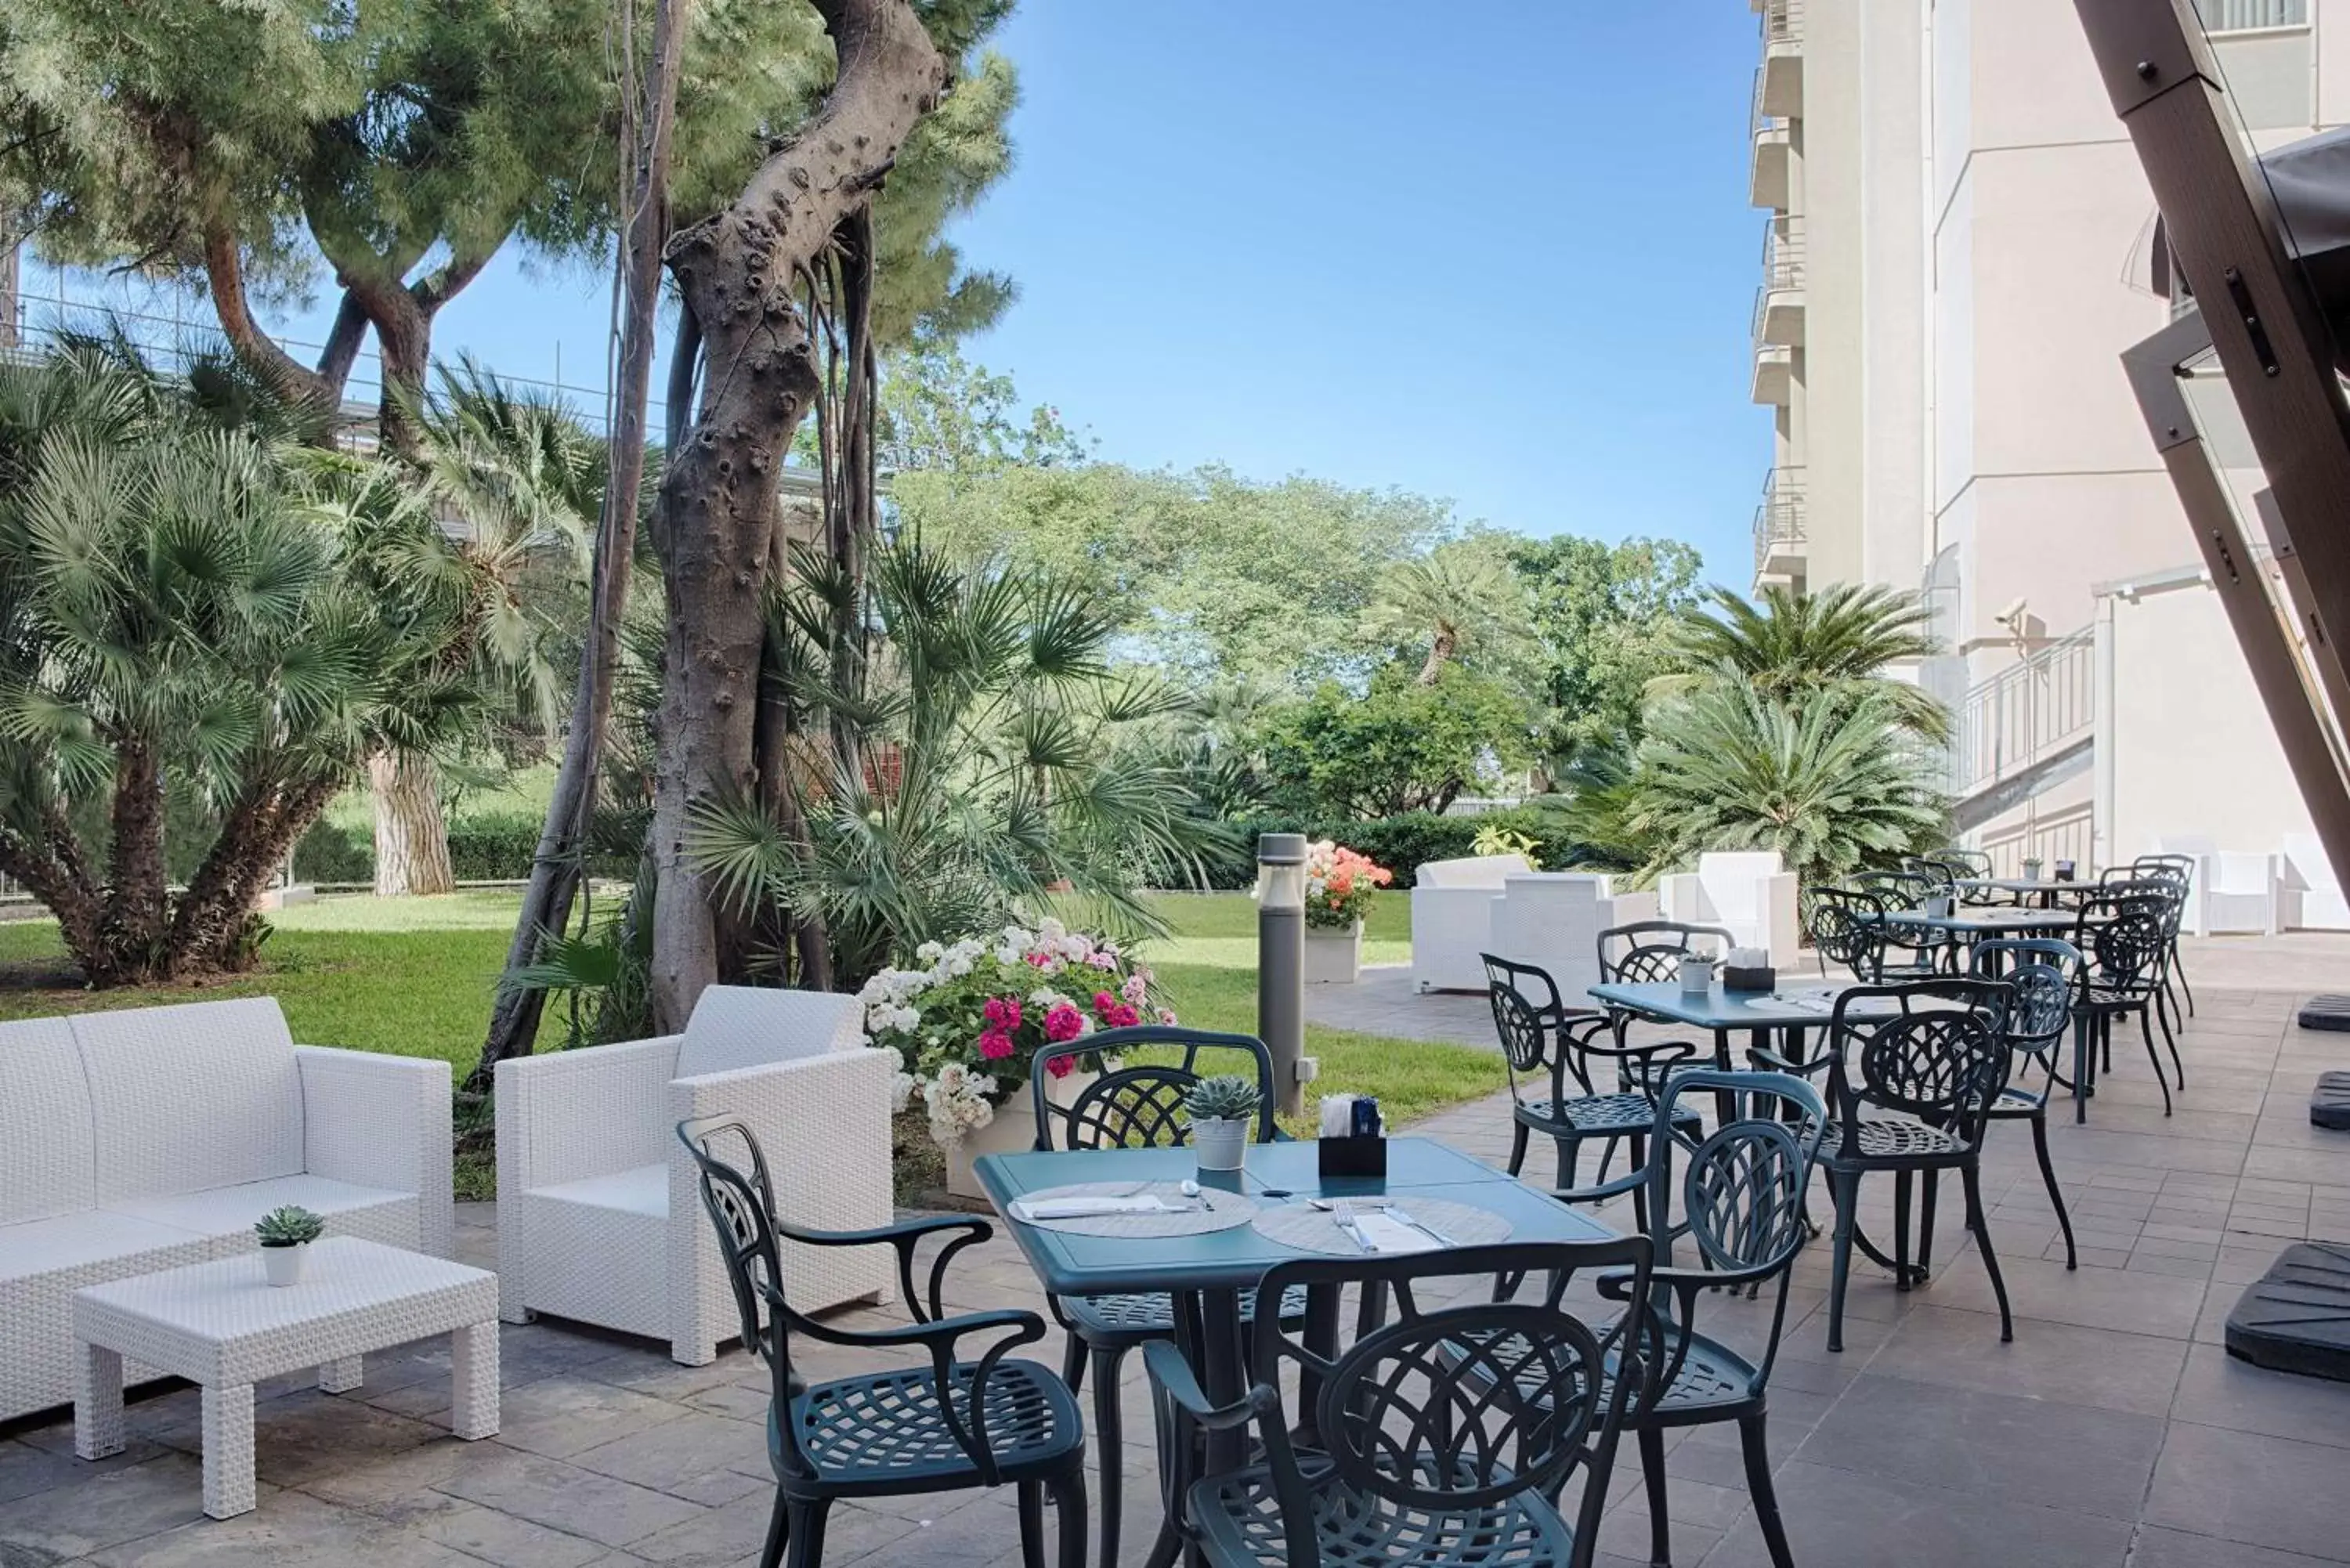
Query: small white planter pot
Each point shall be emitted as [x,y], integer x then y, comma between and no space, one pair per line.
[1221,1142]
[1334,958]
[284,1264]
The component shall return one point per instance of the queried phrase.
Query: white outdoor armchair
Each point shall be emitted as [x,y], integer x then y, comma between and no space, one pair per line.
[598,1216]
[1746,893]
[1450,923]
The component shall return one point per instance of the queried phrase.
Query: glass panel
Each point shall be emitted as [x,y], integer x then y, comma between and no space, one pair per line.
[2242,16]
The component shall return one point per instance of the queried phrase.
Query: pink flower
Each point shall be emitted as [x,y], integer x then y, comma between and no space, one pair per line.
[1135,989]
[1063,1022]
[1042,959]
[1121,1017]
[1166,1015]
[995,1044]
[1060,1067]
[1003,1012]
[1104,1001]
[1104,960]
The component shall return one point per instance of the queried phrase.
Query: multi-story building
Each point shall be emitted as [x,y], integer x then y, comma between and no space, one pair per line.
[1959,246]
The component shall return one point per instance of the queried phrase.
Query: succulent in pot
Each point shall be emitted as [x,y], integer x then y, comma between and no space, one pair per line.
[285,1236]
[1222,1110]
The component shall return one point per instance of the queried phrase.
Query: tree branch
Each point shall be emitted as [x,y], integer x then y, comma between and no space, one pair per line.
[224,272]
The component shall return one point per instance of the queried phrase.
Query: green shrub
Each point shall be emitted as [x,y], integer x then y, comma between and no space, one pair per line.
[332,853]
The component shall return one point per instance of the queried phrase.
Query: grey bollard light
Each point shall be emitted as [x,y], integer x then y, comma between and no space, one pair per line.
[1281,961]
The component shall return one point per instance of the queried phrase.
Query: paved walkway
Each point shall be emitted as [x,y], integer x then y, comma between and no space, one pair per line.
[2113,1433]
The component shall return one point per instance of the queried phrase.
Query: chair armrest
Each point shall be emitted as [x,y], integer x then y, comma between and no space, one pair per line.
[1173,1377]
[570,1114]
[376,1120]
[823,1124]
[1771,1061]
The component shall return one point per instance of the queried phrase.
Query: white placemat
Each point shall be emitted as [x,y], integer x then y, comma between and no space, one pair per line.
[1312,1230]
[1213,1210]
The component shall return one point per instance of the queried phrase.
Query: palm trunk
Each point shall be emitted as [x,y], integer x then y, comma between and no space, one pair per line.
[555,869]
[1439,654]
[735,273]
[411,839]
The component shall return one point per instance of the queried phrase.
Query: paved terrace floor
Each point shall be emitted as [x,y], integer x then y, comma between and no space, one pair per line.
[2113,1431]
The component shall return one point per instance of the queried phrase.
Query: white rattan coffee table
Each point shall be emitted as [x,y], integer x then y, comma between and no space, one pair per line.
[223,1325]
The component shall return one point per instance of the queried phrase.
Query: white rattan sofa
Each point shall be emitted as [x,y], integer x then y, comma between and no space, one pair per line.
[1451,920]
[600,1216]
[1747,893]
[147,1138]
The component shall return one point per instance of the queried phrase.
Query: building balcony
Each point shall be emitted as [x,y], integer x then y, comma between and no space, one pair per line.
[1779,302]
[1770,176]
[1779,534]
[1774,374]
[1783,58]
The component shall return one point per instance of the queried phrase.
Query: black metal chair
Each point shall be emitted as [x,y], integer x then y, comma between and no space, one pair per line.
[1849,925]
[1743,1205]
[1135,1106]
[1650,952]
[1910,1071]
[1446,1437]
[1932,949]
[2180,870]
[2122,932]
[2046,975]
[1550,1049]
[957,1423]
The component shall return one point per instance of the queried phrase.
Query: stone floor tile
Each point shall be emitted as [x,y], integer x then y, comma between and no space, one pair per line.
[2177,1549]
[1941,1346]
[564,1497]
[287,1531]
[2253,1489]
[1838,1517]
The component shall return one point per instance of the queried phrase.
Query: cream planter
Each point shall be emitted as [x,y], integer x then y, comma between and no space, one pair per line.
[1334,958]
[1221,1142]
[1014,1131]
[284,1264]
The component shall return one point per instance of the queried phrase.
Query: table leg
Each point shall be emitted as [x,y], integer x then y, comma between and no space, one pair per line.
[98,1402]
[1321,1337]
[228,1450]
[473,1381]
[342,1376]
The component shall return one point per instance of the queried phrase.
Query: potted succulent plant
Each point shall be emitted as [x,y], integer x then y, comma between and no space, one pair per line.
[1223,1110]
[285,1237]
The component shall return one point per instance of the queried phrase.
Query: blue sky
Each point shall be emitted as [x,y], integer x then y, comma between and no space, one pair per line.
[1499,253]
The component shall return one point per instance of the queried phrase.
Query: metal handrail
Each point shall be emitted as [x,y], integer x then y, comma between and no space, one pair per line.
[1783,22]
[1783,252]
[2027,712]
[1779,520]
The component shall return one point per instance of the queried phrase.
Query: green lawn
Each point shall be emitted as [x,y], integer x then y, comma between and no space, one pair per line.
[415,976]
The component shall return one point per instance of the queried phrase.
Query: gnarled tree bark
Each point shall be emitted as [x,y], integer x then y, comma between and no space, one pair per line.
[736,272]
[411,842]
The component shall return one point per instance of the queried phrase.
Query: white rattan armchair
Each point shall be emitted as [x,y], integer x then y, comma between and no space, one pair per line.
[598,1216]
[147,1138]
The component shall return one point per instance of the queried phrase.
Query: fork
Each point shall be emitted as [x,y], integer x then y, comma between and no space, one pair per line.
[1342,1214]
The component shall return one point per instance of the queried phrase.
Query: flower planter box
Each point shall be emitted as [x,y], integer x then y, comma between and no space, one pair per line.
[1014,1131]
[1334,958]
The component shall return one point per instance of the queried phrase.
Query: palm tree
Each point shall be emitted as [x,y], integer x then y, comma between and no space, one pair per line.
[999,772]
[1834,779]
[1462,597]
[1790,644]
[178,613]
[516,481]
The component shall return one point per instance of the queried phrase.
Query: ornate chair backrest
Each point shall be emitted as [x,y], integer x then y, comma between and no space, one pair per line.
[2181,867]
[1899,889]
[1847,927]
[2046,975]
[1941,874]
[1526,1015]
[741,1208]
[1933,1049]
[2123,932]
[1742,1188]
[1141,1105]
[1648,951]
[1971,862]
[1457,1406]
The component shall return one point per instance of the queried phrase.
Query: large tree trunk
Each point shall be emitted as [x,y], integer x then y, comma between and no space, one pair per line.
[411,840]
[139,892]
[262,825]
[736,272]
[555,869]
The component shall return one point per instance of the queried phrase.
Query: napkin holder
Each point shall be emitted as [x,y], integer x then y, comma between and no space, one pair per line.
[1748,969]
[1354,1157]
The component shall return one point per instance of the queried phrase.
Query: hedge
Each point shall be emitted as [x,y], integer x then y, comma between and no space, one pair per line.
[1401,843]
[492,848]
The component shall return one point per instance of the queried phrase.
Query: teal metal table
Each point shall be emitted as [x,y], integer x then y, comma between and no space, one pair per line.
[1207,1273]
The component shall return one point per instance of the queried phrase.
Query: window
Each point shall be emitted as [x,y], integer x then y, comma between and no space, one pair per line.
[2245,16]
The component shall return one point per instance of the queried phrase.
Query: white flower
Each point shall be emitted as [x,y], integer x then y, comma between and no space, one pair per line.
[908,1017]
[1050,929]
[1045,997]
[928,953]
[958,967]
[901,1092]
